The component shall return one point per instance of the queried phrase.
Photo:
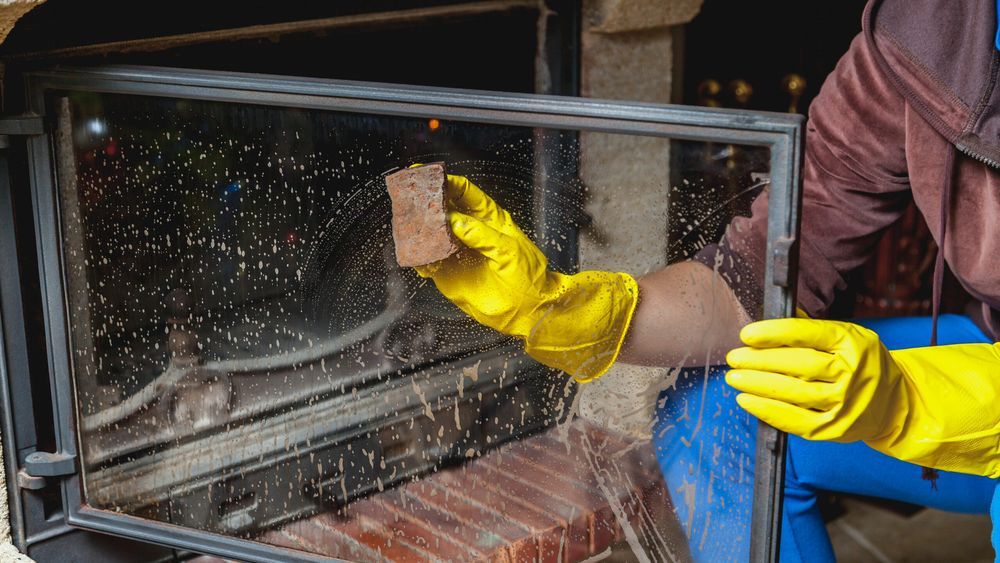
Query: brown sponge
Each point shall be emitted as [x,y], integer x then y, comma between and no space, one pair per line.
[419,225]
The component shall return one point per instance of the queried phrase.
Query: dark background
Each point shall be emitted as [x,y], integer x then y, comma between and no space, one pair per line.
[762,42]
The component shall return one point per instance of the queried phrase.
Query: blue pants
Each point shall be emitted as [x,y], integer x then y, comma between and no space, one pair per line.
[705,446]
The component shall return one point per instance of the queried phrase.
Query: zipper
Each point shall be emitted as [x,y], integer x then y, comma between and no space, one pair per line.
[984,159]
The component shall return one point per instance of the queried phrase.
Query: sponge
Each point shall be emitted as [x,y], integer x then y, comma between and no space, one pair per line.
[419,223]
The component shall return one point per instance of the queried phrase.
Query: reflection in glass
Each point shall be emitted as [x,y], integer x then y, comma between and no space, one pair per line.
[249,360]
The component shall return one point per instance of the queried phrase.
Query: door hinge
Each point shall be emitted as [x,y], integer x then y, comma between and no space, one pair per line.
[785,258]
[25,125]
[48,464]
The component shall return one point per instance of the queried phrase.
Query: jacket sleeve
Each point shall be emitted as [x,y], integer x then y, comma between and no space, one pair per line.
[855,185]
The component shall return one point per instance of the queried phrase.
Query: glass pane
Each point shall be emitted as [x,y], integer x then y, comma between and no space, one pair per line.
[249,360]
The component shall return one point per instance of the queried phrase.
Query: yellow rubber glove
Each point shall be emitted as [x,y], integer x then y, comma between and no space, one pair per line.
[827,380]
[575,323]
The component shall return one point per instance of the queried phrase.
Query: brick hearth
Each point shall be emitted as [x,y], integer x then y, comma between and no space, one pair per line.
[557,496]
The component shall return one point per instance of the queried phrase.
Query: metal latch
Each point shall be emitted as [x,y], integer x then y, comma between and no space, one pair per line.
[48,464]
[20,126]
[785,256]
[26,481]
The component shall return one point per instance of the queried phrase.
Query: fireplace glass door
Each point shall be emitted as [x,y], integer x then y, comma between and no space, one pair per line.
[243,369]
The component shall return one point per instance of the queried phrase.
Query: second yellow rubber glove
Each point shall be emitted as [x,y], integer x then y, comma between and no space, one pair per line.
[828,380]
[576,323]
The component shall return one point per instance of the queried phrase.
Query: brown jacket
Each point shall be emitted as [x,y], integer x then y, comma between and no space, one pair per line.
[911,108]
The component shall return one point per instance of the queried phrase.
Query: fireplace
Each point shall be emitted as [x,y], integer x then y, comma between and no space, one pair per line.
[232,362]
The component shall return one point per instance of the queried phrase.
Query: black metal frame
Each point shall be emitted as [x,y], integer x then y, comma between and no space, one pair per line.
[781,133]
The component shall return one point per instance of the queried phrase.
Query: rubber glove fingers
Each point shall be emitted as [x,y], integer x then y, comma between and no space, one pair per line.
[787,388]
[480,236]
[428,270]
[465,196]
[805,363]
[838,371]
[801,333]
[449,264]
[784,416]
[486,240]
[468,198]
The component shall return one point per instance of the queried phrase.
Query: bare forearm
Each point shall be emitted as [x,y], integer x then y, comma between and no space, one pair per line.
[687,315]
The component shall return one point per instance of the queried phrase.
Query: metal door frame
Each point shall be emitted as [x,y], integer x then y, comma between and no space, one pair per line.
[780,133]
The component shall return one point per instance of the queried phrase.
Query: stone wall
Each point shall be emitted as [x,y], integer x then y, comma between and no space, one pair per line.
[628,54]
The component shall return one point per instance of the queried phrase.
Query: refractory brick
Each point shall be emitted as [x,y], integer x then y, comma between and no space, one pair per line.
[420,228]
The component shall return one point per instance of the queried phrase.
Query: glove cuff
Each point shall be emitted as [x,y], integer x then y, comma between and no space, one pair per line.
[582,328]
[948,420]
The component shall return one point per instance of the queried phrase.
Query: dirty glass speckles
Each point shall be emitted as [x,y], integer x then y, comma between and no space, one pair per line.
[249,360]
